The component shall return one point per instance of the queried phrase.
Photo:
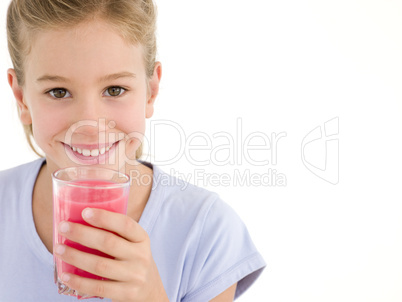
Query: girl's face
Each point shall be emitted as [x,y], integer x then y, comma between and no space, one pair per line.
[86,91]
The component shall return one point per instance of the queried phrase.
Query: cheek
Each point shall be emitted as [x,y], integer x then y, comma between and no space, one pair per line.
[130,119]
[132,124]
[47,123]
[133,128]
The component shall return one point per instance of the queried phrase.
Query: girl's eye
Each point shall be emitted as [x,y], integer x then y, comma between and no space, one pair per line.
[114,91]
[59,93]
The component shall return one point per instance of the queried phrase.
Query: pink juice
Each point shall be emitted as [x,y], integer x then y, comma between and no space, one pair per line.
[69,202]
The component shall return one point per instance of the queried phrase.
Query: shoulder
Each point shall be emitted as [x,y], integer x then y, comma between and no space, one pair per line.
[202,238]
[194,207]
[17,177]
[182,197]
[179,206]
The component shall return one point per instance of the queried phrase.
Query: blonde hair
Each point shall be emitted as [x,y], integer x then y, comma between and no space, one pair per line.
[134,20]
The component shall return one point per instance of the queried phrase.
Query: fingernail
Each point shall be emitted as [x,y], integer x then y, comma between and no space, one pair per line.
[87,213]
[64,227]
[65,277]
[60,249]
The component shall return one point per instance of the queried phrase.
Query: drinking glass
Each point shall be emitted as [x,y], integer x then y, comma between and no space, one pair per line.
[74,189]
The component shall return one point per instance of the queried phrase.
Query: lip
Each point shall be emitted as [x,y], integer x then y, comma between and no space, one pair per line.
[90,160]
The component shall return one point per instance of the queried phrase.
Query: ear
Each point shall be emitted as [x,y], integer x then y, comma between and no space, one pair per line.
[153,86]
[25,114]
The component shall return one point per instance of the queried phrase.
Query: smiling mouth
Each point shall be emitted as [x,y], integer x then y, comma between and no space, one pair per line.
[90,150]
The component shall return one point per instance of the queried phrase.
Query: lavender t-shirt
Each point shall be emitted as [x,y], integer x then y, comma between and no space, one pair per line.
[199,244]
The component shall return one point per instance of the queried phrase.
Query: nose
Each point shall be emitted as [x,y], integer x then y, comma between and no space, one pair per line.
[89,117]
[88,107]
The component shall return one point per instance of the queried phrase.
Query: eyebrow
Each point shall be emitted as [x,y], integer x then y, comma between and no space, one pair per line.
[109,77]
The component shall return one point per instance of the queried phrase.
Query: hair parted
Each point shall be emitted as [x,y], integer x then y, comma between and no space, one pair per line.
[134,20]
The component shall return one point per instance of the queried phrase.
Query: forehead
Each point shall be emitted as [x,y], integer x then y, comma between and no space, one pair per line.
[88,49]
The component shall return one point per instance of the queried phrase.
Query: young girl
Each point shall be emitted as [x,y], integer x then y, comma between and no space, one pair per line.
[85,79]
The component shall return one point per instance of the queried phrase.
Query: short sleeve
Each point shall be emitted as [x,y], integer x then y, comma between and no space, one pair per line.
[225,255]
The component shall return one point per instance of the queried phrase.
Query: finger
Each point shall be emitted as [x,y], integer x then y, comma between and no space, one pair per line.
[99,288]
[101,240]
[118,223]
[94,264]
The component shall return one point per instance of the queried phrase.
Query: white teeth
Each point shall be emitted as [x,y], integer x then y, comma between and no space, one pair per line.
[95,152]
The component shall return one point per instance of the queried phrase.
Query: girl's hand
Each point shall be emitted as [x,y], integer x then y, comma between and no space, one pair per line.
[133,275]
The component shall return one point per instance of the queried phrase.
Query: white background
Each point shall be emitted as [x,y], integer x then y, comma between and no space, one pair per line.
[286,66]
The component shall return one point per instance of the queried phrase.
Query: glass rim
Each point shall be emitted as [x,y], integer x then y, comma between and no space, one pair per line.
[72,184]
